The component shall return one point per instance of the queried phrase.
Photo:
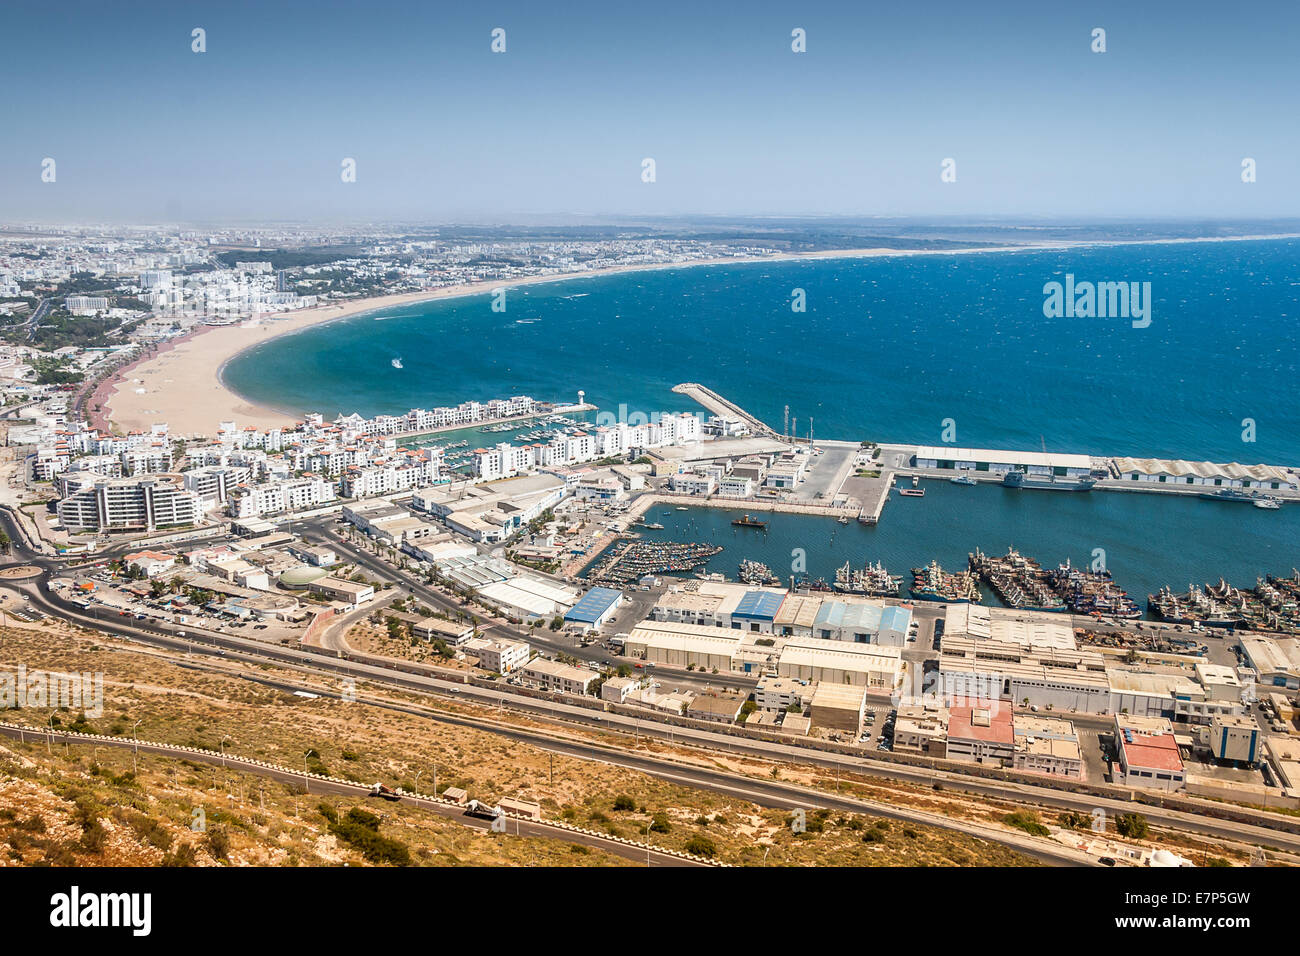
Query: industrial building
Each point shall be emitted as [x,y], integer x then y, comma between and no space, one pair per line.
[498,655]
[596,607]
[980,732]
[841,662]
[838,707]
[1047,745]
[1148,754]
[556,677]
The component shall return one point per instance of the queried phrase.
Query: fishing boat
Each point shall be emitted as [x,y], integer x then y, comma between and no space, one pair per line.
[748,522]
[1019,581]
[756,573]
[912,492]
[843,519]
[1268,504]
[872,580]
[933,583]
[652,525]
[963,480]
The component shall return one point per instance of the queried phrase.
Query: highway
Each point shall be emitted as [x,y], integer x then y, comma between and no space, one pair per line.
[238,648]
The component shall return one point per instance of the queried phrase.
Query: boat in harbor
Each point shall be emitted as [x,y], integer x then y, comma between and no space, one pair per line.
[1092,592]
[1268,504]
[872,581]
[1233,495]
[683,508]
[1020,582]
[912,492]
[756,573]
[652,525]
[747,522]
[1020,479]
[843,519]
[933,583]
[962,480]
[1195,606]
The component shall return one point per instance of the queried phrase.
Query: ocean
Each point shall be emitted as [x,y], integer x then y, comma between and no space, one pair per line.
[888,349]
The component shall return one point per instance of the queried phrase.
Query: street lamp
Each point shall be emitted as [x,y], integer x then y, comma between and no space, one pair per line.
[223,750]
[135,751]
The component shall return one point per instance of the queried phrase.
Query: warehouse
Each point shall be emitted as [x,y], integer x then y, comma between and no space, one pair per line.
[595,609]
[984,459]
[756,612]
[683,645]
[862,622]
[1276,662]
[554,676]
[1148,753]
[841,662]
[980,732]
[838,707]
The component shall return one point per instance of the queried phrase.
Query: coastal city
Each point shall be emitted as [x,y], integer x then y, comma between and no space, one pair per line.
[533,554]
[824,438]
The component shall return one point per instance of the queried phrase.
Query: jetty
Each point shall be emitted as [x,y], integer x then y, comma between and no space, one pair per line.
[715,403]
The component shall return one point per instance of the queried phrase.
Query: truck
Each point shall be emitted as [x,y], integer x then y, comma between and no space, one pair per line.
[384,793]
[476,809]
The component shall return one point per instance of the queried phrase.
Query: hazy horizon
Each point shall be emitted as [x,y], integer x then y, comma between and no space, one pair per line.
[443,130]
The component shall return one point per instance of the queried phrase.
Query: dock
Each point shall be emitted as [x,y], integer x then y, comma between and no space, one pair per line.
[715,403]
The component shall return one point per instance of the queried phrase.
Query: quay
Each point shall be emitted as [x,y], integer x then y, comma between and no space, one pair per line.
[715,403]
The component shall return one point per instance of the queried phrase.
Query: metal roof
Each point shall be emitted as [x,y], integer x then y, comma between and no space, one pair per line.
[760,605]
[594,604]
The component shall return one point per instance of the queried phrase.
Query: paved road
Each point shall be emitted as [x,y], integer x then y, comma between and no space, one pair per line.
[247,649]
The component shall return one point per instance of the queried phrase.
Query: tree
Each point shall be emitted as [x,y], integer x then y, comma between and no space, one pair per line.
[1132,825]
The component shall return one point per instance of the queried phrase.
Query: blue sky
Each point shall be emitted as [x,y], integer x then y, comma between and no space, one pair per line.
[143,129]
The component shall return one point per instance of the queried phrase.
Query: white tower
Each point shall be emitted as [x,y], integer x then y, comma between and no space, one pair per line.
[582,397]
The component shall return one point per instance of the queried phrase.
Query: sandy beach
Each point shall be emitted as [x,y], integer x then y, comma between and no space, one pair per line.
[182,385]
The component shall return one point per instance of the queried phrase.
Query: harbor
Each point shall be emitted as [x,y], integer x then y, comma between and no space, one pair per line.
[1140,537]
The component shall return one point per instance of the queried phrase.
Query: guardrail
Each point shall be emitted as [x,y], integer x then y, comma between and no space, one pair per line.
[179,749]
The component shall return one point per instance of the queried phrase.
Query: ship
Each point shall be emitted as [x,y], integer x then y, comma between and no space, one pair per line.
[747,522]
[1268,504]
[932,583]
[397,363]
[1020,582]
[963,480]
[1236,495]
[912,492]
[756,573]
[652,525]
[1020,479]
[1093,592]
[873,581]
[1194,607]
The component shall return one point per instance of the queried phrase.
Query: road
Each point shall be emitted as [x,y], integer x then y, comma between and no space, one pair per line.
[238,648]
[514,826]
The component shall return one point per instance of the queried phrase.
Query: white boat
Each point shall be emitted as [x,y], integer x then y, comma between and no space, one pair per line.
[1268,504]
[397,363]
[963,480]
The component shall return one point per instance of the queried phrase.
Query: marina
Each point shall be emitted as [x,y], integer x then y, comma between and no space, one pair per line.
[629,560]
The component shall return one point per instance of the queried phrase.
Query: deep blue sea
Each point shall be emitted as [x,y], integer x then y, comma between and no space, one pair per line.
[887,350]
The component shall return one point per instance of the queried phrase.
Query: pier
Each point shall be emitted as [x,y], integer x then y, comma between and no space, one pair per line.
[467,426]
[715,403]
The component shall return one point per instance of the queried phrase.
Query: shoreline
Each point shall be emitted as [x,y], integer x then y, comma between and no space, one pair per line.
[184,383]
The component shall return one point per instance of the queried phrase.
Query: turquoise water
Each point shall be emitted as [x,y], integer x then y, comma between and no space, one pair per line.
[887,350]
[1149,540]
